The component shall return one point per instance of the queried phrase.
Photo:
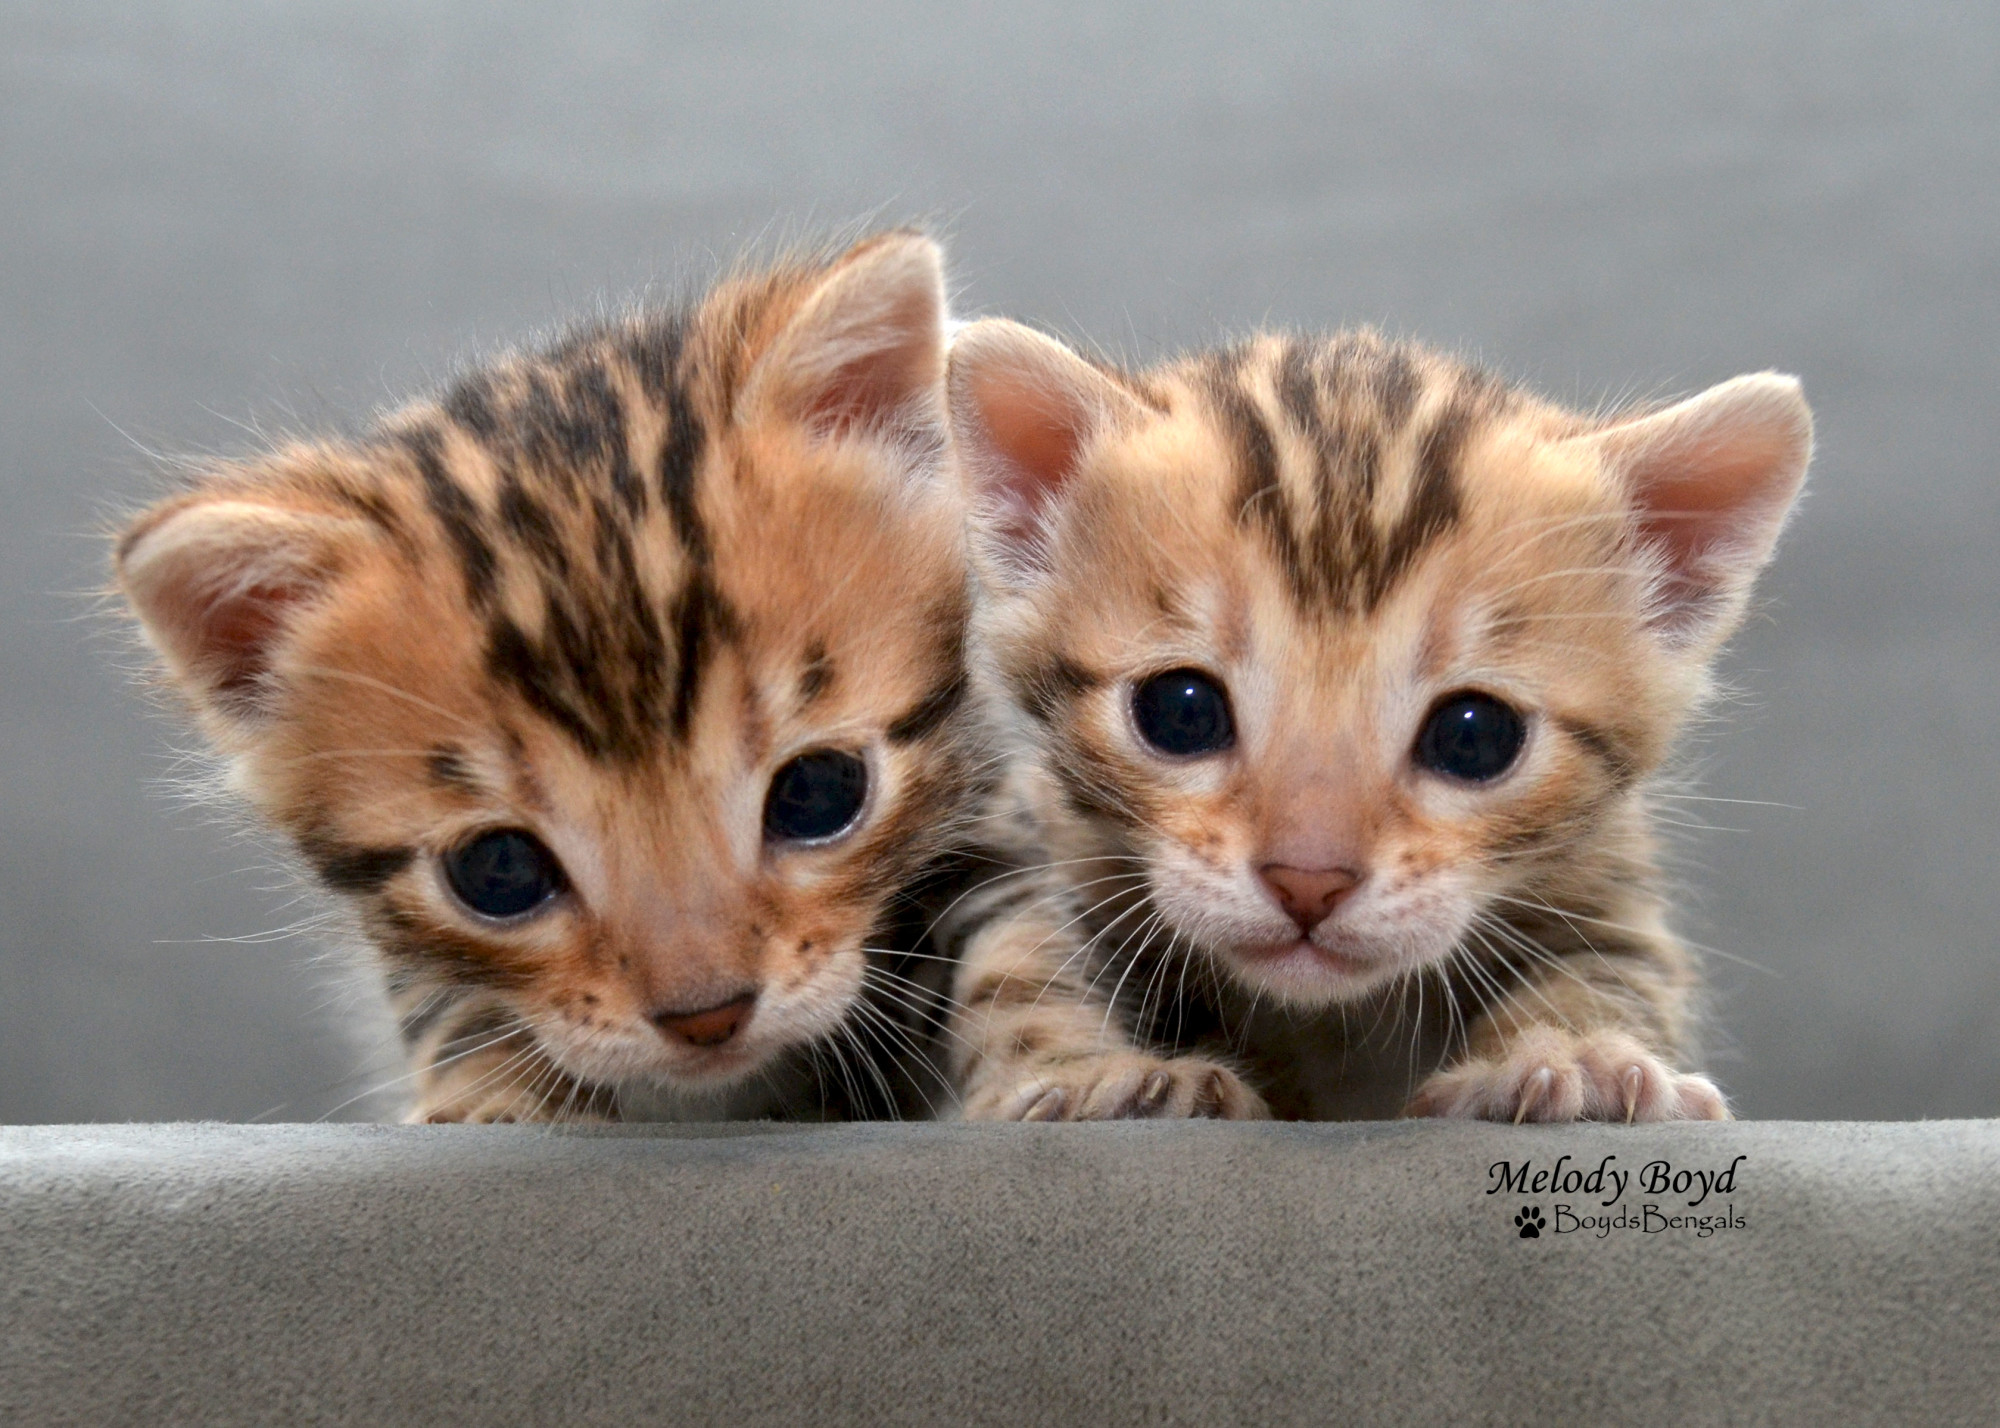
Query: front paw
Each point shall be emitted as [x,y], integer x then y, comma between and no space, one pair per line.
[1121,1086]
[1553,1075]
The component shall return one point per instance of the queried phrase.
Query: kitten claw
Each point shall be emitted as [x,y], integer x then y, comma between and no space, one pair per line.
[1534,1092]
[1550,1074]
[1122,1086]
[1049,1107]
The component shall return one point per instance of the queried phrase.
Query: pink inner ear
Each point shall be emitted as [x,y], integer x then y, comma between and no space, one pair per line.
[218,583]
[237,632]
[1709,497]
[875,391]
[1710,482]
[1037,435]
[867,352]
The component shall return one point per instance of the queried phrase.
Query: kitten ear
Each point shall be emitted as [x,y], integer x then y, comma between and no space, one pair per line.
[217,583]
[1711,481]
[1023,410]
[865,351]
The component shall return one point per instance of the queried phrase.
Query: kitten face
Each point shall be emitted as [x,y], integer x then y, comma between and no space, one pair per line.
[1342,642]
[584,683]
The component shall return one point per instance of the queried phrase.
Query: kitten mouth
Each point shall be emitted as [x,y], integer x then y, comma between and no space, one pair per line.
[715,1066]
[1303,955]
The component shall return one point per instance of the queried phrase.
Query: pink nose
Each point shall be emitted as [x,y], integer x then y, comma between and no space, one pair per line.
[711,1026]
[1308,894]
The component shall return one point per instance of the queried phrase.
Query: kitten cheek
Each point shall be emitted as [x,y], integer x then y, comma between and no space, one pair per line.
[1213,910]
[810,1004]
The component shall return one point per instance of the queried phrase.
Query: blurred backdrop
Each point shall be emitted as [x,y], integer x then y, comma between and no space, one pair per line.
[220,217]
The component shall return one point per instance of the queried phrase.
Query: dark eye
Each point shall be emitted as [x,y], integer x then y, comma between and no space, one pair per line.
[503,873]
[1183,712]
[816,795]
[1470,736]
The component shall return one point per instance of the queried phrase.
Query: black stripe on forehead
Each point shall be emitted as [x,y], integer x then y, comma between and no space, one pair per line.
[1345,403]
[598,669]
[703,621]
[680,461]
[559,420]
[1261,499]
[595,426]
[612,664]
[471,404]
[657,350]
[1432,507]
[457,514]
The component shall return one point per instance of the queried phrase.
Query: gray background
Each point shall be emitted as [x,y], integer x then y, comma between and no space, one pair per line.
[214,217]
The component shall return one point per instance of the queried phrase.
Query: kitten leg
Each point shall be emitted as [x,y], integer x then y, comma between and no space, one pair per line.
[1587,1034]
[1031,1040]
[475,1063]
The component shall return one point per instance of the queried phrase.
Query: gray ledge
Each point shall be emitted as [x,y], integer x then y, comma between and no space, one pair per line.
[1014,1275]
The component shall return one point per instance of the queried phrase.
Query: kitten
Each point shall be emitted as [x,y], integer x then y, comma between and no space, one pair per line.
[619,693]
[1350,672]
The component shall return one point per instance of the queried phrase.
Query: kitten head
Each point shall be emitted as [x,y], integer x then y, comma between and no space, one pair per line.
[624,680]
[1345,643]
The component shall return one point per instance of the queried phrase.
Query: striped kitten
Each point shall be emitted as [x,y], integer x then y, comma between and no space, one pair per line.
[1351,672]
[619,693]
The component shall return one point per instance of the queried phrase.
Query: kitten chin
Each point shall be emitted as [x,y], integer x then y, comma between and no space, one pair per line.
[776,1093]
[1358,666]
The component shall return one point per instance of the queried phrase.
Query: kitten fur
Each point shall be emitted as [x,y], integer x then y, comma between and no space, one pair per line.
[600,592]
[1341,532]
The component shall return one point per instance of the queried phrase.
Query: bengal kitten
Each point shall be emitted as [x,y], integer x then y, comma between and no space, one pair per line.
[619,692]
[1352,673]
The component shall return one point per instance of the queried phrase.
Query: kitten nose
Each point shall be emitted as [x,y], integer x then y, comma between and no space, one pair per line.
[711,1026]
[1308,894]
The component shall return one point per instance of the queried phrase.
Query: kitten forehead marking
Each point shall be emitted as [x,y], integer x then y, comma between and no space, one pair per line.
[1347,455]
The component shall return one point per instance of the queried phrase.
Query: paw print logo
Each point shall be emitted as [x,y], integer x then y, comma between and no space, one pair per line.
[1530,1222]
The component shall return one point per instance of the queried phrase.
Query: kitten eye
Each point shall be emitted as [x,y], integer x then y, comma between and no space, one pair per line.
[1183,712]
[816,795]
[503,873]
[1470,736]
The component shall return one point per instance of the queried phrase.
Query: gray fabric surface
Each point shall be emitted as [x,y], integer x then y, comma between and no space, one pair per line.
[1013,1275]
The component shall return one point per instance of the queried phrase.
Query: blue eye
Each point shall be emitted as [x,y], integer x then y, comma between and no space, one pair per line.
[1470,736]
[816,795]
[1183,712]
[504,873]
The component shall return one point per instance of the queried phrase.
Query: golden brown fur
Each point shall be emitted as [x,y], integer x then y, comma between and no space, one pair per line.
[1345,534]
[600,592]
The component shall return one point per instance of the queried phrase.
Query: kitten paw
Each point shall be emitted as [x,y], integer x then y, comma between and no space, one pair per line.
[1555,1075]
[1129,1086]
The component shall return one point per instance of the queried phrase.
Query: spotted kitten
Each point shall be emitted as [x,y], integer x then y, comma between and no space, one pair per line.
[1352,671]
[619,693]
